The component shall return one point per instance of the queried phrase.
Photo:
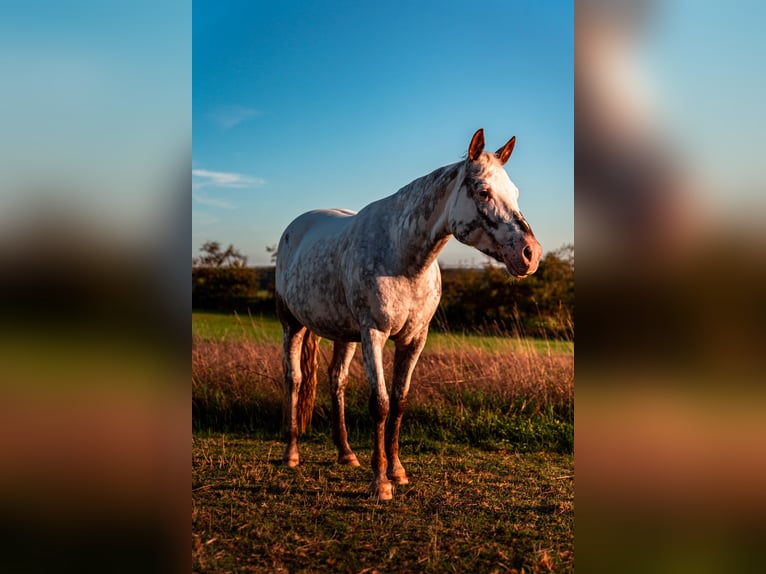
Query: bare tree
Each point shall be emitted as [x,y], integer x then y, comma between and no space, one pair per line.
[214,256]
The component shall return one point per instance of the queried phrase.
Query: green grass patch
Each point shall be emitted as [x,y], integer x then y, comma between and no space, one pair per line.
[236,327]
[259,328]
[482,421]
[465,509]
[444,342]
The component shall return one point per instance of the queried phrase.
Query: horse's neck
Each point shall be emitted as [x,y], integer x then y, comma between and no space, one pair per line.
[422,224]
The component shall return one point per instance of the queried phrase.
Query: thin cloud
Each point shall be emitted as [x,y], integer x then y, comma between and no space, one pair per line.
[212,201]
[229,116]
[207,178]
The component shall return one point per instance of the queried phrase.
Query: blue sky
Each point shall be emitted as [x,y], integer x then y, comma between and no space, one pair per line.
[304,105]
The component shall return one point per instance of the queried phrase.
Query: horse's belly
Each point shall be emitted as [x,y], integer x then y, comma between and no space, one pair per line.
[330,327]
[316,298]
[326,317]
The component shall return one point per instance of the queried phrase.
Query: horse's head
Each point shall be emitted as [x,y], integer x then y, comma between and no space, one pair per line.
[485,214]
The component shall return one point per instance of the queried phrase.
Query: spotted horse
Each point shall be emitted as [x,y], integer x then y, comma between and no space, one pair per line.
[371,276]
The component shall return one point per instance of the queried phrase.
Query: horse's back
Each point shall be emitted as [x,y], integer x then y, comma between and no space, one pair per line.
[317,222]
[305,231]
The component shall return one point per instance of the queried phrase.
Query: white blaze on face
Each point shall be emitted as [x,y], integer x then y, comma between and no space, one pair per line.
[505,195]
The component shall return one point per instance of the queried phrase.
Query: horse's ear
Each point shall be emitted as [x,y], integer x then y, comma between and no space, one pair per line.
[477,145]
[505,152]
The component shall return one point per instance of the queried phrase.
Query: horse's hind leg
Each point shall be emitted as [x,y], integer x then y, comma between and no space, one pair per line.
[293,333]
[405,358]
[342,353]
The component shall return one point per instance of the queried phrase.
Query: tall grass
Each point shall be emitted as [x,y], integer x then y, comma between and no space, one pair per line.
[518,396]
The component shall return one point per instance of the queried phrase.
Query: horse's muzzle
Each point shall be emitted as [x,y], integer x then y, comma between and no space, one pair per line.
[525,261]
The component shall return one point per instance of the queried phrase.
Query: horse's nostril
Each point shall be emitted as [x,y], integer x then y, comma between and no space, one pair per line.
[527,252]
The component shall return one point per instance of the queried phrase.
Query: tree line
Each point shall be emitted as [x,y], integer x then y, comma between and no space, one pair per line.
[481,299]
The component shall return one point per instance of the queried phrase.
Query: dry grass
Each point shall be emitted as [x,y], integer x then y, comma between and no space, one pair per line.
[237,386]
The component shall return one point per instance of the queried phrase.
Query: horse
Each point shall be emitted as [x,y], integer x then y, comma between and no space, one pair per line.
[371,276]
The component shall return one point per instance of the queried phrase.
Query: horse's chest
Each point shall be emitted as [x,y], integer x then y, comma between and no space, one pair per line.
[404,304]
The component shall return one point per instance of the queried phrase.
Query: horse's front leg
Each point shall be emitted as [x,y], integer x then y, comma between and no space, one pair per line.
[405,359]
[372,351]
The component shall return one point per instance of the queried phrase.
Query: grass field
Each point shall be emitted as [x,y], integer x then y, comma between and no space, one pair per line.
[234,327]
[464,510]
[487,441]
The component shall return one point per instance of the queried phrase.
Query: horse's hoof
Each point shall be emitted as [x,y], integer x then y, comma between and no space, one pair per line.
[399,478]
[291,462]
[348,459]
[291,459]
[396,474]
[381,490]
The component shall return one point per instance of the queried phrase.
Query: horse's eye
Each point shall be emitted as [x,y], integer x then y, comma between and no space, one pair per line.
[484,194]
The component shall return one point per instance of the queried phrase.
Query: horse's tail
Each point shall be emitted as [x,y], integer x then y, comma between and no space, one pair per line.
[308,390]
